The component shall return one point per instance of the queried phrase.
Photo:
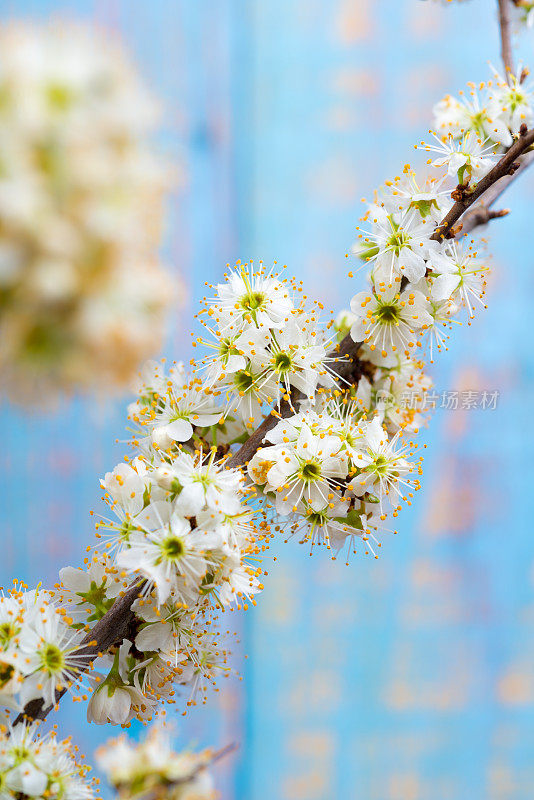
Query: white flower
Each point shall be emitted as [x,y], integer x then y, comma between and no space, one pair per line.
[183,406]
[399,247]
[246,391]
[389,320]
[37,649]
[458,275]
[117,702]
[171,558]
[201,484]
[40,767]
[318,525]
[89,593]
[468,158]
[387,465]
[357,527]
[405,194]
[295,356]
[126,487]
[306,469]
[482,118]
[400,390]
[47,656]
[232,353]
[515,101]
[165,627]
[151,766]
[250,299]
[150,383]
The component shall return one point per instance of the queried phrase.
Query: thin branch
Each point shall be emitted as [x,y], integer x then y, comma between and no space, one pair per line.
[480,213]
[506,38]
[505,167]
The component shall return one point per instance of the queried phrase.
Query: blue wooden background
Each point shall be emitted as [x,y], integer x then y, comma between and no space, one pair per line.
[407,678]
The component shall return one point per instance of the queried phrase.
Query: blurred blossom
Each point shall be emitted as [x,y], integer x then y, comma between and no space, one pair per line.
[81,208]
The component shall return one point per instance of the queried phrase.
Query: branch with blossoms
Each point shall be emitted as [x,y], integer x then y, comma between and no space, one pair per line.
[290,423]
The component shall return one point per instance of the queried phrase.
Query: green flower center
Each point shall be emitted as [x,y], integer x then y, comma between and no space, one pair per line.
[173,548]
[381,466]
[252,301]
[6,673]
[7,632]
[20,753]
[125,530]
[52,659]
[243,381]
[310,471]
[282,362]
[387,313]
[477,121]
[316,518]
[227,348]
[397,241]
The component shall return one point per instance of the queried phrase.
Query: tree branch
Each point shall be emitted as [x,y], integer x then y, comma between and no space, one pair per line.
[116,624]
[506,38]
[480,213]
[505,167]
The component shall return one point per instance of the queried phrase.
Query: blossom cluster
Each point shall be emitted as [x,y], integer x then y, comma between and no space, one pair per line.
[183,528]
[420,281]
[40,767]
[81,288]
[152,768]
[265,342]
[483,121]
[37,648]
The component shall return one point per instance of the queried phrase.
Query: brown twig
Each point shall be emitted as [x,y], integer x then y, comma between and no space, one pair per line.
[480,213]
[506,38]
[507,166]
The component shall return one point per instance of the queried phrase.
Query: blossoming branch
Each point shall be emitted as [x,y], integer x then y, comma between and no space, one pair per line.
[280,427]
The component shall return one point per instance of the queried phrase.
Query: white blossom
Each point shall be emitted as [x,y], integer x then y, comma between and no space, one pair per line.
[458,275]
[33,766]
[399,246]
[389,319]
[466,159]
